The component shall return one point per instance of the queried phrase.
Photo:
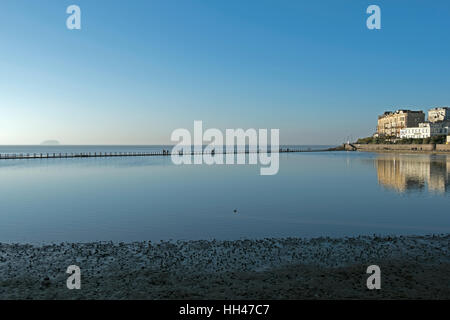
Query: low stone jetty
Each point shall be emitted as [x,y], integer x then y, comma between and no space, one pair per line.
[59,155]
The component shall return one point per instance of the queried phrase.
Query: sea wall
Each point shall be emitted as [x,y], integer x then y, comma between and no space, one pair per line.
[396,147]
[400,147]
[443,147]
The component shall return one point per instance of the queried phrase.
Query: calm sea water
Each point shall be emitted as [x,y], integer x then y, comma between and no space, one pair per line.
[149,198]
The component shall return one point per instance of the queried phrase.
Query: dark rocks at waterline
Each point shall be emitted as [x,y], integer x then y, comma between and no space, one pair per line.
[249,269]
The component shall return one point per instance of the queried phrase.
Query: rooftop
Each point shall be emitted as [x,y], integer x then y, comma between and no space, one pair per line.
[388,113]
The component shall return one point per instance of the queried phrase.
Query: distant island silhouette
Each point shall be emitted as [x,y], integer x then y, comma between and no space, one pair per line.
[50,143]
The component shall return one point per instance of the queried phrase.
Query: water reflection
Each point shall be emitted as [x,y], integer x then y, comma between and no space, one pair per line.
[402,172]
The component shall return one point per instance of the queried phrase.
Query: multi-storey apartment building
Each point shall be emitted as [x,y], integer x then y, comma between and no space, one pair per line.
[390,123]
[439,114]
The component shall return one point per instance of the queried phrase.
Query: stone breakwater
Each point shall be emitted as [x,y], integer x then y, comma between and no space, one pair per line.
[304,268]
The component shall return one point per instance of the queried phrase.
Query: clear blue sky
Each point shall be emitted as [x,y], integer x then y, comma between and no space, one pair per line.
[137,70]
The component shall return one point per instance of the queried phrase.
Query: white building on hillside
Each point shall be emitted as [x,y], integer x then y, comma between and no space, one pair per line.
[424,130]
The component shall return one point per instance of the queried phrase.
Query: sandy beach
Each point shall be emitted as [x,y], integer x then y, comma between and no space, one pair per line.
[412,267]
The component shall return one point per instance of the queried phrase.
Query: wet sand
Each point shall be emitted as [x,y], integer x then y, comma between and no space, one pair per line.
[412,267]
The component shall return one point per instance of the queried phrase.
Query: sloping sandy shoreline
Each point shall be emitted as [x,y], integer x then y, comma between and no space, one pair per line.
[292,268]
